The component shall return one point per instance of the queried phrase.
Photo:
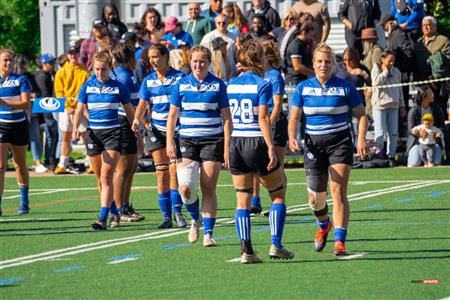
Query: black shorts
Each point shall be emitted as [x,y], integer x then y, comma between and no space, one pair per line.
[280,131]
[321,151]
[129,140]
[249,155]
[99,140]
[155,139]
[202,149]
[14,133]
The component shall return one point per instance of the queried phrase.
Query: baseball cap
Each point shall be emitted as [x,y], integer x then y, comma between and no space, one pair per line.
[98,23]
[428,117]
[47,59]
[73,50]
[171,23]
[386,18]
[128,36]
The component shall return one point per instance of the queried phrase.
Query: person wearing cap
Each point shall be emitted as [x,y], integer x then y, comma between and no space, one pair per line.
[175,35]
[44,80]
[409,14]
[110,17]
[97,40]
[357,15]
[68,81]
[197,26]
[427,134]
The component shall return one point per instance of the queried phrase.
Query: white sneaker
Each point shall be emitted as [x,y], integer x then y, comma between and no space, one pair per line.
[40,169]
[208,241]
[193,231]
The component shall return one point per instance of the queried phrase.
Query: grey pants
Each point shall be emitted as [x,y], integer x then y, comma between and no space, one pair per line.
[426,152]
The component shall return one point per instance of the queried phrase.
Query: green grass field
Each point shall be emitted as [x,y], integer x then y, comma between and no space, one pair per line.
[399,235]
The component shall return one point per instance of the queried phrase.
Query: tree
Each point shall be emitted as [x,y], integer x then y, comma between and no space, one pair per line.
[440,10]
[19,26]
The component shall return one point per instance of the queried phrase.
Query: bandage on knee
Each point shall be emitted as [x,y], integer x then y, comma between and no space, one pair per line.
[188,177]
[161,167]
[319,206]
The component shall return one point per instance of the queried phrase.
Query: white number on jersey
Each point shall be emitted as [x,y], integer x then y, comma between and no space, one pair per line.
[244,111]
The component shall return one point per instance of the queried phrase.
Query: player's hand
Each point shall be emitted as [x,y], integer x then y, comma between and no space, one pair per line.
[170,149]
[273,159]
[294,146]
[226,159]
[75,134]
[135,125]
[361,148]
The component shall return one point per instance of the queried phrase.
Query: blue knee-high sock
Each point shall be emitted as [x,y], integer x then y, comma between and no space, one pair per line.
[165,205]
[243,224]
[193,210]
[323,224]
[277,217]
[113,209]
[103,216]
[175,198]
[340,234]
[208,225]
[256,200]
[23,195]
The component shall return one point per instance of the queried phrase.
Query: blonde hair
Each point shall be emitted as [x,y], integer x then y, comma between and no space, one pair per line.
[102,56]
[6,50]
[201,49]
[219,61]
[289,14]
[324,48]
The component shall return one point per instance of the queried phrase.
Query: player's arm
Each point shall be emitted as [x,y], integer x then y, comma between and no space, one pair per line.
[296,113]
[264,124]
[227,128]
[139,116]
[170,133]
[23,103]
[360,114]
[77,120]
[277,104]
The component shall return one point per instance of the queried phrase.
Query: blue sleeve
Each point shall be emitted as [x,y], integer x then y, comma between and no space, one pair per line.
[297,99]
[82,96]
[143,92]
[392,9]
[223,96]
[353,98]
[123,79]
[265,94]
[124,94]
[189,40]
[25,86]
[175,98]
[278,85]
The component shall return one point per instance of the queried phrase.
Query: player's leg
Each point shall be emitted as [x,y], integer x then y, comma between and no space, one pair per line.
[175,197]
[3,166]
[65,124]
[20,164]
[161,162]
[255,205]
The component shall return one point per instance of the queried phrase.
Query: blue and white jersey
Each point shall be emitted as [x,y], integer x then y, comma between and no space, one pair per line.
[277,81]
[10,90]
[103,101]
[200,105]
[246,93]
[127,78]
[326,110]
[158,94]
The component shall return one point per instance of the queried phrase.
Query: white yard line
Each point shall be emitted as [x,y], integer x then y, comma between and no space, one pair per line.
[114,262]
[171,232]
[236,259]
[352,256]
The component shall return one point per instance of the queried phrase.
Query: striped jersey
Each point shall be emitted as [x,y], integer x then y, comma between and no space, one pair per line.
[10,90]
[326,109]
[277,81]
[103,100]
[127,78]
[158,94]
[200,105]
[246,93]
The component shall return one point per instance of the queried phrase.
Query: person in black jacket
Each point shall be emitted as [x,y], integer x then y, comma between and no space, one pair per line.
[423,103]
[44,81]
[110,17]
[262,7]
[357,15]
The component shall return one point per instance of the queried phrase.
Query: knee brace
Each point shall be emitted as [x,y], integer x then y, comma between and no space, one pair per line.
[317,187]
[161,167]
[188,176]
[245,191]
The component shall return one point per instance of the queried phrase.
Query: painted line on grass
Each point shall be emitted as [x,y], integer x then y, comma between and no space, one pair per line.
[373,206]
[69,269]
[406,200]
[233,260]
[124,258]
[353,256]
[171,232]
[11,280]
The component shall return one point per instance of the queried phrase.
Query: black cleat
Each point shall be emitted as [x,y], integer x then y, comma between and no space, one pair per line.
[99,225]
[256,209]
[166,223]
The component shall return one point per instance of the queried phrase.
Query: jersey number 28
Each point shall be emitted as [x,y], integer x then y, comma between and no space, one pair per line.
[243,111]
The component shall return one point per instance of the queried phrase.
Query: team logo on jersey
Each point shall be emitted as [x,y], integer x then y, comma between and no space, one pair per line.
[109,90]
[153,139]
[90,146]
[335,90]
[183,149]
[11,83]
[310,156]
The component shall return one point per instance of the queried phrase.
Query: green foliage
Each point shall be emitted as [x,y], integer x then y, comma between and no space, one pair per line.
[440,10]
[19,26]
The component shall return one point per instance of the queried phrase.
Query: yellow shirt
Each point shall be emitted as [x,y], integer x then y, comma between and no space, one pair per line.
[68,81]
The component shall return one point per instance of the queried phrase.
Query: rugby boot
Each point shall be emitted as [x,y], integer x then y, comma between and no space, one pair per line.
[23,210]
[194,230]
[320,239]
[166,223]
[280,253]
[134,214]
[339,249]
[114,221]
[181,222]
[208,241]
[256,209]
[99,225]
[247,258]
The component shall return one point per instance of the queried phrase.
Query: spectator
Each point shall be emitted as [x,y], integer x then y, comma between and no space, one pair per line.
[298,57]
[292,33]
[110,17]
[236,20]
[179,59]
[290,18]
[175,35]
[214,9]
[68,81]
[262,7]
[409,14]
[258,30]
[319,11]
[428,136]
[423,104]
[44,80]
[137,29]
[432,43]
[386,103]
[357,15]
[219,60]
[222,31]
[152,26]
[98,39]
[143,67]
[197,26]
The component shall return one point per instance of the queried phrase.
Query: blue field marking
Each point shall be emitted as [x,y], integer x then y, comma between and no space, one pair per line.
[262,229]
[305,220]
[435,194]
[68,269]
[11,280]
[125,257]
[170,247]
[224,237]
[373,206]
[406,223]
[406,200]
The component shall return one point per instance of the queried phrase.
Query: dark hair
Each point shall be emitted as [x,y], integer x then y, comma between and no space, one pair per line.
[159,23]
[272,53]
[243,37]
[249,56]
[304,17]
[123,55]
[261,17]
[306,27]
[422,91]
[386,53]
[113,8]
[352,53]
[162,50]
[20,62]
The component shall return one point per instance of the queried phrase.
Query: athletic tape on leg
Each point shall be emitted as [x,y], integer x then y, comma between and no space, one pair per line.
[188,177]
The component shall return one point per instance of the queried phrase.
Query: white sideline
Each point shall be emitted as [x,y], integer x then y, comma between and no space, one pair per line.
[171,232]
